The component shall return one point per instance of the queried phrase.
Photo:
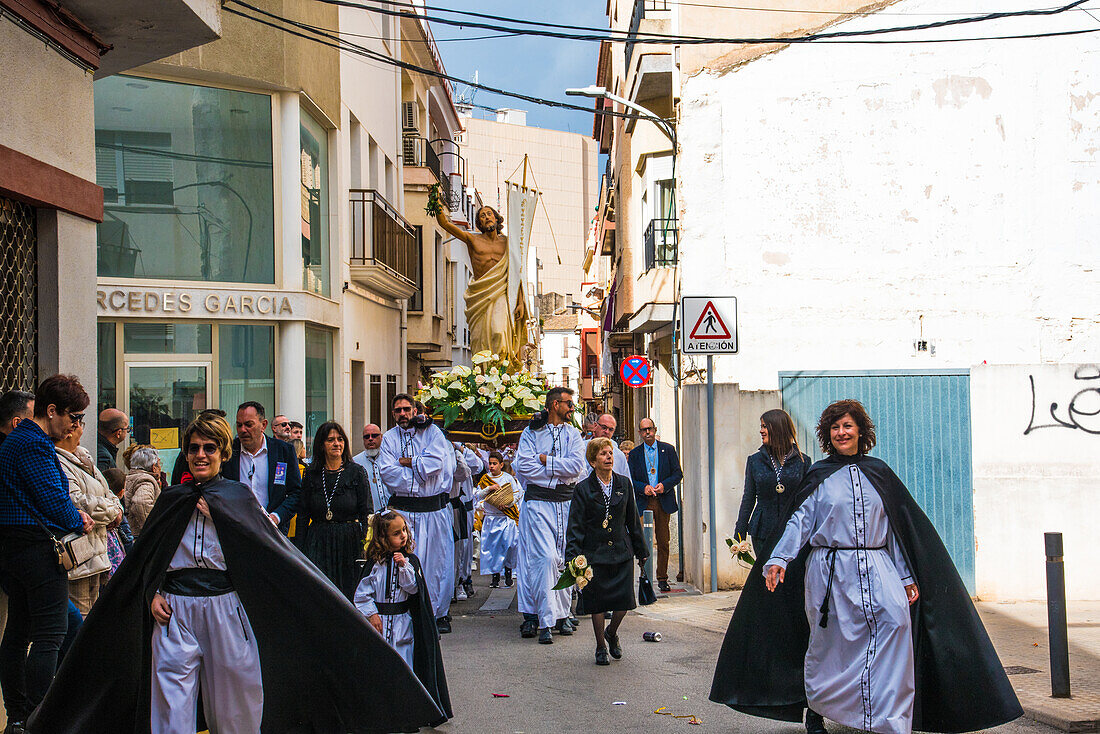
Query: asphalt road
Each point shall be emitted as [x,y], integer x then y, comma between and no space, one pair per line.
[554,689]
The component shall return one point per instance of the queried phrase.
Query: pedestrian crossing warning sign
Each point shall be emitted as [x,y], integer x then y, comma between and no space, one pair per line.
[711,324]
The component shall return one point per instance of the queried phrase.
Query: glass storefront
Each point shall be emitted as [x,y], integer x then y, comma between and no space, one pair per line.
[171,371]
[318,380]
[314,180]
[187,181]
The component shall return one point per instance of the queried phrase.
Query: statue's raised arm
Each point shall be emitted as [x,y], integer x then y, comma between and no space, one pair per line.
[450,227]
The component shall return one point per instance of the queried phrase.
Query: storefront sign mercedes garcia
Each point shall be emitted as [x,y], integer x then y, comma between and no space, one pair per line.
[194,303]
[708,324]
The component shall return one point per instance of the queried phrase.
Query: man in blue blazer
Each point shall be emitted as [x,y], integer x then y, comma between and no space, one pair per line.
[655,471]
[267,465]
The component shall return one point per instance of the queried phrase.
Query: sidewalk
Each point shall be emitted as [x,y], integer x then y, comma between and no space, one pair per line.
[1018,631]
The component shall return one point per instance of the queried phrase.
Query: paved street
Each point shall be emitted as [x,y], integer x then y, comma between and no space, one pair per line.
[557,688]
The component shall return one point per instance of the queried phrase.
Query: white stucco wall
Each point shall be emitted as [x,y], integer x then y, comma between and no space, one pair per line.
[842,192]
[1035,471]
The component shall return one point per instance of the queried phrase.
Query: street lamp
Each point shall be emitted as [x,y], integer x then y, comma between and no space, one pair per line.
[642,113]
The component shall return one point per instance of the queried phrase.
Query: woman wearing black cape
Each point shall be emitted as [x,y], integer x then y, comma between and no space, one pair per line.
[210,578]
[867,622]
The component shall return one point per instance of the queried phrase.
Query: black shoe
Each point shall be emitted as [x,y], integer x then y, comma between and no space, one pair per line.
[815,723]
[508,577]
[468,585]
[15,727]
[564,628]
[544,636]
[613,645]
[529,628]
[601,657]
[443,624]
[663,586]
[495,583]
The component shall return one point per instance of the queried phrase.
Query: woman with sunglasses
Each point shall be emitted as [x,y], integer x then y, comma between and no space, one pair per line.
[334,509]
[203,600]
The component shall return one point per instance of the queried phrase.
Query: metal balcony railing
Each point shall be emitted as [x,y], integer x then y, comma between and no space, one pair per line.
[641,7]
[661,244]
[418,151]
[380,235]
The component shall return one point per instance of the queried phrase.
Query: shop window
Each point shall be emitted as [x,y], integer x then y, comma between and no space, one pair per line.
[246,366]
[318,381]
[188,182]
[106,366]
[143,338]
[314,181]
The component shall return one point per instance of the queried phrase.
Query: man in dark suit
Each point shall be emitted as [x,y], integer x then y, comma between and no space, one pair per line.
[267,465]
[655,471]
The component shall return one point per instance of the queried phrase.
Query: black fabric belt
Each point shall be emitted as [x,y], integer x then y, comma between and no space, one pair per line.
[197,582]
[830,558]
[560,493]
[390,609]
[420,504]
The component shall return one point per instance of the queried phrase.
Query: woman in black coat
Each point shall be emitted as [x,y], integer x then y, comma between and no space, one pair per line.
[333,510]
[605,529]
[772,476]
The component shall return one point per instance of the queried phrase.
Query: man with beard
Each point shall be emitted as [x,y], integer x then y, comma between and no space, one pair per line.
[368,459]
[496,309]
[213,596]
[550,460]
[417,465]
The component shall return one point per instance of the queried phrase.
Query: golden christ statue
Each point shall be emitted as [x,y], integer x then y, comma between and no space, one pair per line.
[497,323]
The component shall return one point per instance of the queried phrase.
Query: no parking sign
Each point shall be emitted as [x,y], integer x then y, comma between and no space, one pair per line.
[635,371]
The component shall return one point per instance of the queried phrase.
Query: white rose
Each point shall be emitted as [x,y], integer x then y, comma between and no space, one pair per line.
[485,390]
[581,583]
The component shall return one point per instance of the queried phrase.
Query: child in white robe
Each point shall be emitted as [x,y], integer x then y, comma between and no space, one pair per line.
[499,533]
[383,594]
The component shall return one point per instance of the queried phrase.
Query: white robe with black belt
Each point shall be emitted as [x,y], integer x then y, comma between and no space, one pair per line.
[542,524]
[431,473]
[859,668]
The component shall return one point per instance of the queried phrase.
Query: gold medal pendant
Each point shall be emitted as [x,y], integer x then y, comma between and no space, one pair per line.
[605,522]
[328,515]
[779,489]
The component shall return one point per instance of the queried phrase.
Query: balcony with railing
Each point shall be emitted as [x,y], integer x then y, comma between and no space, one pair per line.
[383,246]
[661,244]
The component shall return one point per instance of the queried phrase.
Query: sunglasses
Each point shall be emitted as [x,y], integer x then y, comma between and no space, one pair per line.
[371,435]
[76,418]
[202,448]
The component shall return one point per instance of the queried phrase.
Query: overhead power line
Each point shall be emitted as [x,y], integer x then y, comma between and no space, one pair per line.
[331,39]
[613,35]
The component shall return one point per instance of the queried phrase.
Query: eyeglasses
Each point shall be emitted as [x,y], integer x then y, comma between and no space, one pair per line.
[606,427]
[371,435]
[568,403]
[76,418]
[647,429]
[202,448]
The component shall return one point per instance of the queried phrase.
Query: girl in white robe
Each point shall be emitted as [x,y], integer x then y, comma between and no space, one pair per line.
[383,594]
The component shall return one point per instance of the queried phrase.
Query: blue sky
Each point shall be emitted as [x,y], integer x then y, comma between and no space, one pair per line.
[543,67]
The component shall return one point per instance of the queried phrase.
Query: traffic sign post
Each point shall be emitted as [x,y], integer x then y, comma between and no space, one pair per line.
[635,371]
[708,325]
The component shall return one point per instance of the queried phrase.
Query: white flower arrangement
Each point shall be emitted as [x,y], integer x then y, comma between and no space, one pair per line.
[485,393]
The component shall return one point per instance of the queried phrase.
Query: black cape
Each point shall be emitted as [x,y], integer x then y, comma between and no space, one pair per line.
[325,669]
[427,655]
[960,683]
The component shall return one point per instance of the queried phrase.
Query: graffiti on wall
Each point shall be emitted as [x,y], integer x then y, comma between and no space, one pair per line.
[1077,403]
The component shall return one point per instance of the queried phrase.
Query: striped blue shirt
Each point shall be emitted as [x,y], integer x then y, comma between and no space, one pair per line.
[31,479]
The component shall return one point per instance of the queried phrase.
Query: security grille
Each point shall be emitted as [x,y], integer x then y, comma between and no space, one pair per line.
[18,297]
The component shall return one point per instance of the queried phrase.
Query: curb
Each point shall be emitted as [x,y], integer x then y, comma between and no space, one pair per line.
[1059,722]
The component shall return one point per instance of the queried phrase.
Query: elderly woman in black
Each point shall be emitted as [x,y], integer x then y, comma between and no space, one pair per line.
[605,529]
[334,508]
[772,476]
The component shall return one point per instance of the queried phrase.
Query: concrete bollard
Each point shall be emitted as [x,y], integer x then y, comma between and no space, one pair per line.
[648,531]
[1057,628]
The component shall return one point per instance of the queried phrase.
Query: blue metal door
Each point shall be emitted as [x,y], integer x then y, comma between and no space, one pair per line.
[922,419]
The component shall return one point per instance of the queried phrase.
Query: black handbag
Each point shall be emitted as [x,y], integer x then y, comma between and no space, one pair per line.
[645,591]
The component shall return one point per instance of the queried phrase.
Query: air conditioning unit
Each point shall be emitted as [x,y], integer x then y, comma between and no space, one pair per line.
[409,118]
